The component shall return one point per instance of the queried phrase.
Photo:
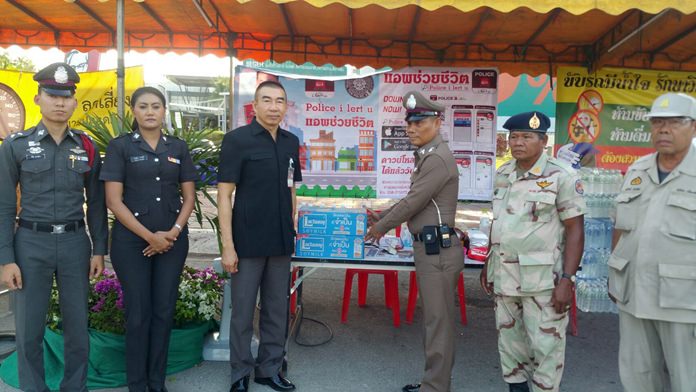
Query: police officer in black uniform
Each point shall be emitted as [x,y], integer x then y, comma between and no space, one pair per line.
[146,174]
[55,166]
[259,161]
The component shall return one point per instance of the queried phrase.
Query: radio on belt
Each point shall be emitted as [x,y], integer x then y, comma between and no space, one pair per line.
[445,238]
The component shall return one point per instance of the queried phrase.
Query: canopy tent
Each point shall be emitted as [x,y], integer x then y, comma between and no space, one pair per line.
[517,36]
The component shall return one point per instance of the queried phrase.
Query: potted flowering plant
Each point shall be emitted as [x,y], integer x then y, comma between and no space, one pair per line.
[197,308]
[200,295]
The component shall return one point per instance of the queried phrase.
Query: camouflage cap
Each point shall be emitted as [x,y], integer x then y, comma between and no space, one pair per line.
[58,79]
[419,107]
[674,105]
[528,122]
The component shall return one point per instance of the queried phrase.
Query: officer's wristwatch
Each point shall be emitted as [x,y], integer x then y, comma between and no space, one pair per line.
[569,277]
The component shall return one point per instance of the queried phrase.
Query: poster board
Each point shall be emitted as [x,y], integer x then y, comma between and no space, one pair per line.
[353,134]
[469,126]
[605,112]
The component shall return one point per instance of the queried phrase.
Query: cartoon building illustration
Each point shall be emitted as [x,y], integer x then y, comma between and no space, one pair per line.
[304,156]
[366,149]
[322,151]
[347,159]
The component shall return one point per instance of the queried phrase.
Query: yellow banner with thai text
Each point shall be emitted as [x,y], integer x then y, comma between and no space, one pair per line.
[95,94]
[602,116]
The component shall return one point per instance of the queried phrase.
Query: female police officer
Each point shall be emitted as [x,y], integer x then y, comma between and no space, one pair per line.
[144,173]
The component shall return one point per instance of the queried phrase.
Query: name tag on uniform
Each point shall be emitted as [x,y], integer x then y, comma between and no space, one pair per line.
[138,158]
[35,156]
[174,160]
[291,173]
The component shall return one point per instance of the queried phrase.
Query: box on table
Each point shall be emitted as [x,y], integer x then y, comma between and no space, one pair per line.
[332,221]
[330,246]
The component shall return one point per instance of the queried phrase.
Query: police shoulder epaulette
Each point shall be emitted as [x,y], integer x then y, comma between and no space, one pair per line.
[81,132]
[645,158]
[168,135]
[505,165]
[643,162]
[20,134]
[561,164]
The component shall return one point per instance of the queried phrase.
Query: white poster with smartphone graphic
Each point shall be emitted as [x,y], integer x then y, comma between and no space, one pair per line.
[484,173]
[470,97]
[485,133]
[465,169]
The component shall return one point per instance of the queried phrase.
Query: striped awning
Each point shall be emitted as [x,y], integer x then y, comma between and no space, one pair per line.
[531,37]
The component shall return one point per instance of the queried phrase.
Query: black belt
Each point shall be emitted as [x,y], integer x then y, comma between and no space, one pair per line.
[417,237]
[52,228]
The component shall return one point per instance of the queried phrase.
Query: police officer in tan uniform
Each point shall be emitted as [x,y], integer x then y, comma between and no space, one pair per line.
[437,252]
[652,269]
[537,239]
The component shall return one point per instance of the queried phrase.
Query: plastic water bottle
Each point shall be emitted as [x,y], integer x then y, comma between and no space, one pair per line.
[588,263]
[608,232]
[589,201]
[406,238]
[485,225]
[596,233]
[603,272]
[580,294]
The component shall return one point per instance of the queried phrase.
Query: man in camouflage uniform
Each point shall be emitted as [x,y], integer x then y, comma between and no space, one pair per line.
[434,186]
[652,269]
[536,245]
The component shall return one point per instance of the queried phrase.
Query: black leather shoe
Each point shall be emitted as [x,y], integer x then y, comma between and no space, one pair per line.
[241,385]
[519,387]
[277,382]
[411,388]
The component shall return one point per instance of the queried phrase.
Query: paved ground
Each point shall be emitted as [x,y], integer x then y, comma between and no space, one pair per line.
[370,354]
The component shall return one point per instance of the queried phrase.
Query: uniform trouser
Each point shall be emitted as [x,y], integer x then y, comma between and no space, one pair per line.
[531,340]
[654,354]
[272,275]
[40,256]
[150,290]
[437,281]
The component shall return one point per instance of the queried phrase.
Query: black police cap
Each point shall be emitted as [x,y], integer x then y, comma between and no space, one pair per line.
[528,122]
[58,79]
[419,107]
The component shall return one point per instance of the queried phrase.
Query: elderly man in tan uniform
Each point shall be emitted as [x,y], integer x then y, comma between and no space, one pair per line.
[652,274]
[429,209]
[536,245]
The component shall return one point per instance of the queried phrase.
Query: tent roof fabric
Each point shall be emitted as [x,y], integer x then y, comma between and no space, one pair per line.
[531,37]
[576,7]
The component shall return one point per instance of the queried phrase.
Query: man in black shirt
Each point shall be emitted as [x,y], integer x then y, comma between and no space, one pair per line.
[259,164]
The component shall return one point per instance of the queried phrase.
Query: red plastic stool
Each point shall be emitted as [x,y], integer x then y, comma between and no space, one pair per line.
[391,291]
[413,295]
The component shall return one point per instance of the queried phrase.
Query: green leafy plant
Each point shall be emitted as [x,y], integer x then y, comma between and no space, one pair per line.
[103,129]
[200,295]
[16,64]
[106,304]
